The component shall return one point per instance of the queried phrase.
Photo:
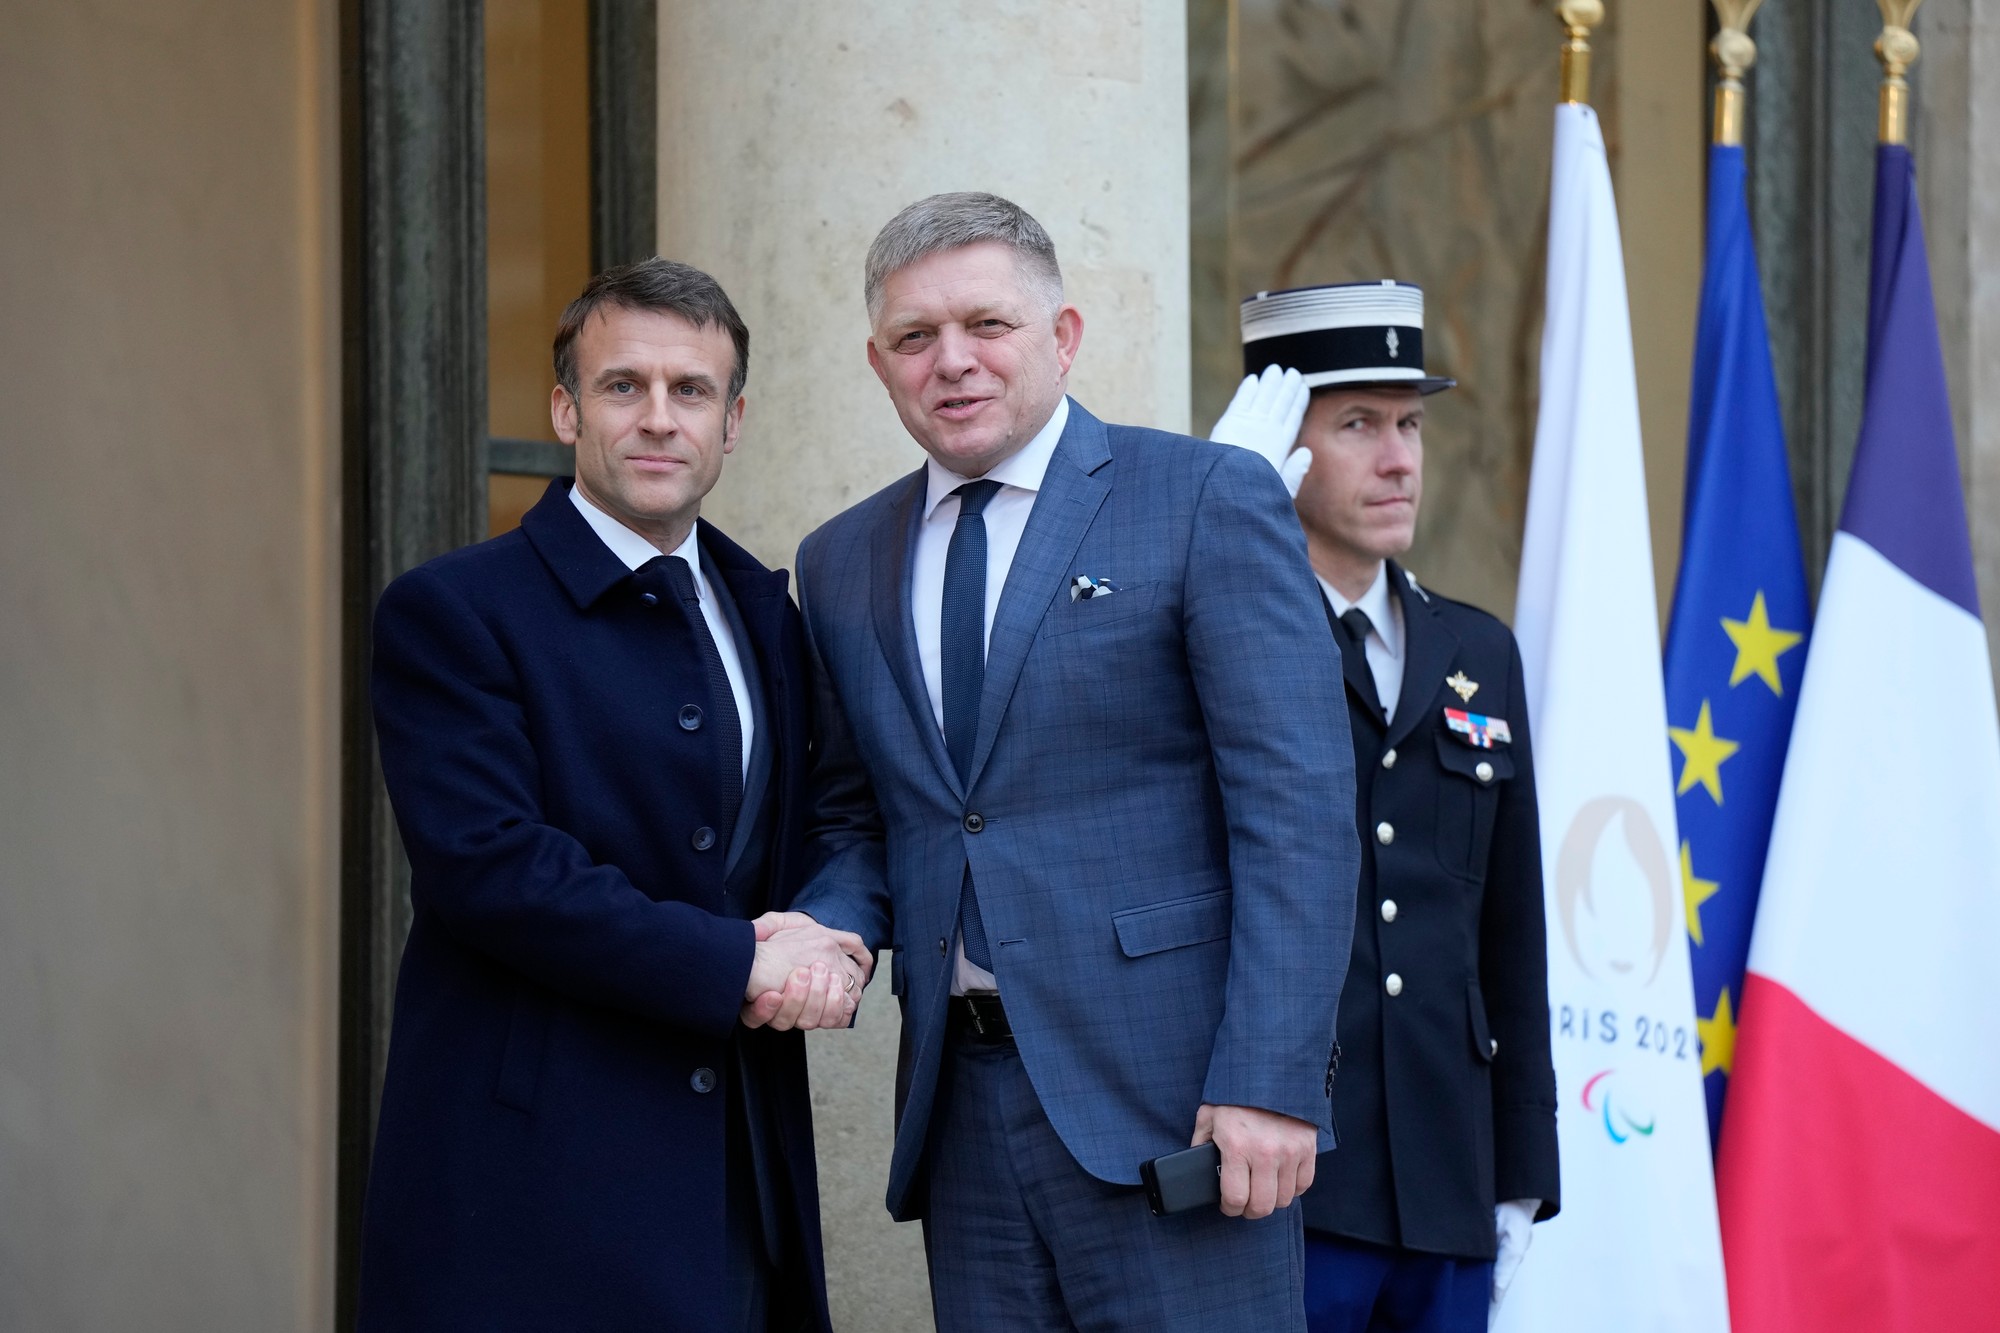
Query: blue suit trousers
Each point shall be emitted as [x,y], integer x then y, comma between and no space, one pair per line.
[1002,1186]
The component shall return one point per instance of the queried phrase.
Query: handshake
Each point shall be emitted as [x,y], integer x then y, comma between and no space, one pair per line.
[803,975]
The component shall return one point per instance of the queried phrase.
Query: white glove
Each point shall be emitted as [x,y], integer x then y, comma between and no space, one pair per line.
[1513,1226]
[1264,417]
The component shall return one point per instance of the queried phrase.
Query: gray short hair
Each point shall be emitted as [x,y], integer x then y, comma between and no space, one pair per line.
[953,221]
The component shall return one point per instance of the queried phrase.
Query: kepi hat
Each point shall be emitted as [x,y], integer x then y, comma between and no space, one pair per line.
[1358,333]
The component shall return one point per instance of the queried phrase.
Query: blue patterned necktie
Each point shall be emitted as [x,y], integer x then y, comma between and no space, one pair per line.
[962,657]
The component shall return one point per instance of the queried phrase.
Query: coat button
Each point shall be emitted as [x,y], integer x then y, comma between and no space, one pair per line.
[703,839]
[1393,983]
[1388,909]
[973,823]
[650,599]
[1385,833]
[1492,1046]
[1388,759]
[703,1080]
[691,718]
[944,947]
[1484,772]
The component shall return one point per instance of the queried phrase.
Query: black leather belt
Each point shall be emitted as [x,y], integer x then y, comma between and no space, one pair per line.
[981,1017]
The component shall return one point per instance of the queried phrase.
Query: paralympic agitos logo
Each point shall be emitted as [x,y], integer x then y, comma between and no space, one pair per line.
[1603,1097]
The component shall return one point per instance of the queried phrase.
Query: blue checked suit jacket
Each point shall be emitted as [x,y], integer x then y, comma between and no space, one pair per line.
[1164,784]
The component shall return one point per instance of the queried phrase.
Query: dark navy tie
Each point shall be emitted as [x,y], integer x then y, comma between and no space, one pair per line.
[962,657]
[722,713]
[1358,626]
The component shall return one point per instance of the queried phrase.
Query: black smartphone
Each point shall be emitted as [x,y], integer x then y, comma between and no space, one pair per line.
[1190,1178]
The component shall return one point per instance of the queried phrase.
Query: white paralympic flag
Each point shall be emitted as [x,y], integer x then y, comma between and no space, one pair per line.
[1636,1246]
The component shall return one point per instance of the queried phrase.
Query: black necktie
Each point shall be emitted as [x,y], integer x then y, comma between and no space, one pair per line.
[721,698]
[1354,647]
[962,659]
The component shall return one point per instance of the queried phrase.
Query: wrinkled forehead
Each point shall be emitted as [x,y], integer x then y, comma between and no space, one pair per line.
[986,277]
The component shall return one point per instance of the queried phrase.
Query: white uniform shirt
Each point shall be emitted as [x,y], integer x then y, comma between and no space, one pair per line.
[1006,514]
[635,551]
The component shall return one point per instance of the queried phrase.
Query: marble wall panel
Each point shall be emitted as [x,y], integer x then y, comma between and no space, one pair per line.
[1344,140]
[1411,138]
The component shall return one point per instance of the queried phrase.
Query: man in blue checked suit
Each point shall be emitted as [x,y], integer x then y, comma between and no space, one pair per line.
[1083,763]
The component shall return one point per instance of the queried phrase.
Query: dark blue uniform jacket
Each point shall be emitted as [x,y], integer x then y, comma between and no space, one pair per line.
[1445,1095]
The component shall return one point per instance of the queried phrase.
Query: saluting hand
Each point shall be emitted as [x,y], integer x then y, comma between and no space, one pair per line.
[1264,417]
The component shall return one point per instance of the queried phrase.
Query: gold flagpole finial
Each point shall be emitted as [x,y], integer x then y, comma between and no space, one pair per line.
[1734,54]
[1578,18]
[1897,49]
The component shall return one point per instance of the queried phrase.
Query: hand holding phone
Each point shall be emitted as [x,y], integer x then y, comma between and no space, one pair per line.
[1190,1178]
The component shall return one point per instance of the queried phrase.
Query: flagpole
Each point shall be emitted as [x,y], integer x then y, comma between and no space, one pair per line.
[1897,49]
[1578,17]
[1734,53]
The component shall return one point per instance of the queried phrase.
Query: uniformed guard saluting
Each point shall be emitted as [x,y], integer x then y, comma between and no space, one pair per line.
[1445,1094]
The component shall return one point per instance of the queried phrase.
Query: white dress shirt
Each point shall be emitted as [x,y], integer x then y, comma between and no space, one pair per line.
[1385,641]
[1006,514]
[635,551]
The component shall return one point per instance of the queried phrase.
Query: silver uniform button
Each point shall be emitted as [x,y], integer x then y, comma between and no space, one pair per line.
[1484,772]
[1493,1046]
[1393,983]
[1385,833]
[1388,909]
[1388,759]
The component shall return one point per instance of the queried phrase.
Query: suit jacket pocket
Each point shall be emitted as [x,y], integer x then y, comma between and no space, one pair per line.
[521,1058]
[1067,617]
[1483,1044]
[1173,924]
[1467,802]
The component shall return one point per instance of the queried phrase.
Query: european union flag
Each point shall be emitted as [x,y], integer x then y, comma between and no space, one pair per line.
[1736,640]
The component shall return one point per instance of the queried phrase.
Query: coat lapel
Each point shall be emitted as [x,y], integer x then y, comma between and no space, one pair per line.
[1429,651]
[1072,491]
[895,546]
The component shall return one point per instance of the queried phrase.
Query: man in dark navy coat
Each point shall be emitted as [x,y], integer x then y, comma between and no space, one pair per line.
[594,731]
[1445,1095]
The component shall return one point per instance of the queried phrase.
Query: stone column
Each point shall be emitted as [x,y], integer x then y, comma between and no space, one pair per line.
[788,135]
[1958,173]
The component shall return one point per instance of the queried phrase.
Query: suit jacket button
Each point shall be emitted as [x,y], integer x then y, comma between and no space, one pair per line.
[973,823]
[703,1080]
[703,839]
[944,947]
[691,718]
[1388,759]
[650,599]
[1393,984]
[1388,909]
[1385,833]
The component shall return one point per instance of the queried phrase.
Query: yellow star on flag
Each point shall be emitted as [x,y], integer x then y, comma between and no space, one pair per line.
[1718,1037]
[1695,892]
[1758,646]
[1702,755]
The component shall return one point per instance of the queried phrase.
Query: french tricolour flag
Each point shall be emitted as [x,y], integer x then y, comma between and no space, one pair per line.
[1859,1165]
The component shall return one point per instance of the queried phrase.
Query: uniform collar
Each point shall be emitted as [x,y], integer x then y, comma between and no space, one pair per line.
[1375,604]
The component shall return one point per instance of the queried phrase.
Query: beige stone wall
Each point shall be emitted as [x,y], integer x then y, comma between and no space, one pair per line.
[789,134]
[167,673]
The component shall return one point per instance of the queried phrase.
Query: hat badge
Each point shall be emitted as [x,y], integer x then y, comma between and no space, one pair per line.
[1393,343]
